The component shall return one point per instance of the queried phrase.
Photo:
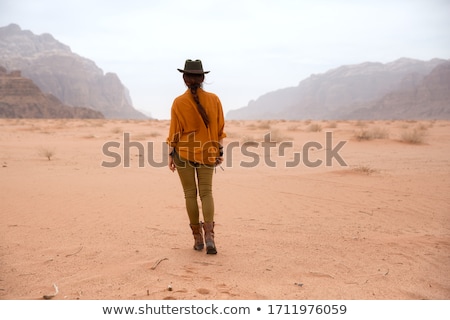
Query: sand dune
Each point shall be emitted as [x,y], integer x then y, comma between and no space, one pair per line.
[378,228]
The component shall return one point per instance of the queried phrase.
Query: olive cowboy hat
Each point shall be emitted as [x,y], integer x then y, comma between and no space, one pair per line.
[193,67]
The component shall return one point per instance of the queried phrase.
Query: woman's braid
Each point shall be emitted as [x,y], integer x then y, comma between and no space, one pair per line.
[194,82]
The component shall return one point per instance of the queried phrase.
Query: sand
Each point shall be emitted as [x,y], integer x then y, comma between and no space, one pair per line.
[378,228]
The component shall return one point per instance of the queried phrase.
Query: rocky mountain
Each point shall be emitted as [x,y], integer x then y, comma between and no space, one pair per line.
[21,98]
[430,99]
[350,92]
[56,70]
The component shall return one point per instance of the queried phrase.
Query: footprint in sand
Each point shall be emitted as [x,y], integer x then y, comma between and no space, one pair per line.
[225,291]
[203,291]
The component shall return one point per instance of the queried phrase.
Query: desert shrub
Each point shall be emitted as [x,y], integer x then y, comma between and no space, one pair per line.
[263,125]
[116,130]
[314,127]
[365,169]
[332,124]
[363,135]
[414,136]
[277,136]
[251,126]
[379,133]
[46,152]
[373,133]
[424,126]
[360,123]
[97,123]
[293,127]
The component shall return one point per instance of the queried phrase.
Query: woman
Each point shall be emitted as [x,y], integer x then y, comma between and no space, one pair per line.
[195,147]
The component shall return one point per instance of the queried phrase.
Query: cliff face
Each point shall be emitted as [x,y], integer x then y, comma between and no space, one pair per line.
[344,92]
[56,70]
[430,99]
[21,98]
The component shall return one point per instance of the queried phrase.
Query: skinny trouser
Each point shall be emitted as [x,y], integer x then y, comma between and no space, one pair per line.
[196,179]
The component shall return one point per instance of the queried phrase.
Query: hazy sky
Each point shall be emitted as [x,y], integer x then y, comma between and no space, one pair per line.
[251,47]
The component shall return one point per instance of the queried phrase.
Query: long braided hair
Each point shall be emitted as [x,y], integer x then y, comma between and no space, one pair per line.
[193,82]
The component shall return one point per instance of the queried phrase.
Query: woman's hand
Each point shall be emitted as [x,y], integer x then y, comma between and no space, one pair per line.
[172,165]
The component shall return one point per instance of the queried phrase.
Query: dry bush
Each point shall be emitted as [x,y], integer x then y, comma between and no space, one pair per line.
[293,127]
[360,123]
[31,128]
[414,136]
[98,123]
[95,123]
[265,125]
[365,169]
[363,135]
[424,126]
[314,127]
[46,152]
[371,134]
[117,130]
[277,136]
[332,125]
[379,133]
[145,136]
[251,126]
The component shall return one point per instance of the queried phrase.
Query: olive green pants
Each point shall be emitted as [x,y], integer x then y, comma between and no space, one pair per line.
[196,179]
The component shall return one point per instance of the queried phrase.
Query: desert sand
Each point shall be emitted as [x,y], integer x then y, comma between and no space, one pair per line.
[377,228]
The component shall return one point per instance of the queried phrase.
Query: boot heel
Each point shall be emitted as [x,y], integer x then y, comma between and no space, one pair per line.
[209,238]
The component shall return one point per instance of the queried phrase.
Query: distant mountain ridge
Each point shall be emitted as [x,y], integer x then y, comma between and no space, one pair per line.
[21,98]
[56,70]
[430,99]
[355,92]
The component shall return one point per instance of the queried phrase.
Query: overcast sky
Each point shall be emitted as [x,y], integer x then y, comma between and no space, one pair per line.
[251,47]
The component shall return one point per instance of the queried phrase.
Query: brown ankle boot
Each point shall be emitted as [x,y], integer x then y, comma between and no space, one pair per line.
[198,236]
[209,237]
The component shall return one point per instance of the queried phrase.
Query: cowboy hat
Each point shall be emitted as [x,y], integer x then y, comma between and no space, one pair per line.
[193,67]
